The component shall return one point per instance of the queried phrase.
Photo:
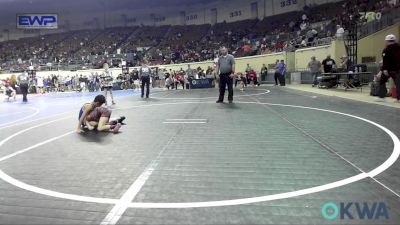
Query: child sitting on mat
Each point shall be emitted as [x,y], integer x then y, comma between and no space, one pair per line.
[9,92]
[93,115]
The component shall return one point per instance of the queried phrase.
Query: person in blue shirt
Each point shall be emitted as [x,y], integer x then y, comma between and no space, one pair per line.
[281,70]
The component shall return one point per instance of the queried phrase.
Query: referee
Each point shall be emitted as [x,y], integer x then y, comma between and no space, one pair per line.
[226,70]
[23,82]
[145,76]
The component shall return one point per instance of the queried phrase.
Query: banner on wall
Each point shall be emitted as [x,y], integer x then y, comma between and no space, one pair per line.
[201,83]
[37,21]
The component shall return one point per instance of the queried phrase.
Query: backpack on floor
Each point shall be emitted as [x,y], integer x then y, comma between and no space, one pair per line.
[374,89]
[394,92]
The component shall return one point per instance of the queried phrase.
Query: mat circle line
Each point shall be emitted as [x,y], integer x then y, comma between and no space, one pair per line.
[36,111]
[236,96]
[174,205]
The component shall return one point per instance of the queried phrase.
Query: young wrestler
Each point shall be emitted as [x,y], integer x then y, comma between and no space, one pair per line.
[92,115]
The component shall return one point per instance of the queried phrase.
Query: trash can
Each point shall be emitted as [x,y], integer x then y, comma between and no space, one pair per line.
[295,78]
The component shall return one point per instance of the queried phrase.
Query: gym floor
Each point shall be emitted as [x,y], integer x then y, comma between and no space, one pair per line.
[275,156]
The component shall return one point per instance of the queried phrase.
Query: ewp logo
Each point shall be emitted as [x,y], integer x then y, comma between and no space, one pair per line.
[37,21]
[355,210]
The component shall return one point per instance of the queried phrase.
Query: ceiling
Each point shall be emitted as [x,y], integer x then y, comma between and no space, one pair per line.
[18,5]
[9,8]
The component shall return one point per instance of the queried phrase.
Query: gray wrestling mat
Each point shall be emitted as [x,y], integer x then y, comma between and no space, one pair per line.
[275,156]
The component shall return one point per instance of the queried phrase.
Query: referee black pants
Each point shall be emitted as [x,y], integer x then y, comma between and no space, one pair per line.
[146,81]
[225,80]
[276,77]
[24,91]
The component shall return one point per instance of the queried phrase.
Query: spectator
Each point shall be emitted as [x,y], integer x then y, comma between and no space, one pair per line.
[345,64]
[9,92]
[281,68]
[339,32]
[248,68]
[328,64]
[263,72]
[190,73]
[315,68]
[276,74]
[390,66]
[252,76]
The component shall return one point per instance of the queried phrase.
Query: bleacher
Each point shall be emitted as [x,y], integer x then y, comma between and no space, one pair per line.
[174,44]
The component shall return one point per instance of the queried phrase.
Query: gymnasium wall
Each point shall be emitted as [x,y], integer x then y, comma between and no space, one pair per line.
[256,63]
[303,56]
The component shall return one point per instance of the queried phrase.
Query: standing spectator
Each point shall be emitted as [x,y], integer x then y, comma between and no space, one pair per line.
[263,72]
[54,81]
[390,67]
[144,74]
[315,68]
[226,70]
[82,83]
[276,75]
[190,73]
[40,85]
[248,68]
[339,32]
[345,64]
[282,72]
[328,64]
[23,82]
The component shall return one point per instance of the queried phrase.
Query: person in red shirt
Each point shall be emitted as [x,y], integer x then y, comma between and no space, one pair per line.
[246,48]
[179,80]
[253,77]
[279,47]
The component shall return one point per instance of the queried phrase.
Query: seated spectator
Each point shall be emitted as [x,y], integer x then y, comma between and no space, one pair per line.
[9,92]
